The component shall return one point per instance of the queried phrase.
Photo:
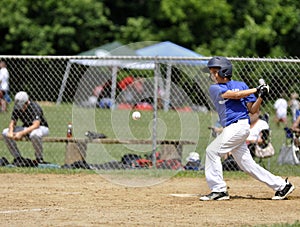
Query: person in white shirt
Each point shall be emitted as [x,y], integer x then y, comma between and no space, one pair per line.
[257,125]
[294,105]
[296,130]
[4,86]
[281,106]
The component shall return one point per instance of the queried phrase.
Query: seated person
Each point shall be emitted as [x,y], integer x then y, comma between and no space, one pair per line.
[257,126]
[296,130]
[102,95]
[34,126]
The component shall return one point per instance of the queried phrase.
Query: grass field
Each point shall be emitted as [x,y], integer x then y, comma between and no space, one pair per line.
[118,124]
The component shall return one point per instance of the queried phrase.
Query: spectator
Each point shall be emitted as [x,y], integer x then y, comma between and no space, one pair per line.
[193,162]
[103,91]
[103,94]
[34,126]
[132,89]
[256,127]
[296,130]
[122,85]
[281,106]
[4,87]
[294,105]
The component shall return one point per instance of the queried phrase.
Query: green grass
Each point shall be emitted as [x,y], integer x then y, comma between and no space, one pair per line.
[295,224]
[118,124]
[31,170]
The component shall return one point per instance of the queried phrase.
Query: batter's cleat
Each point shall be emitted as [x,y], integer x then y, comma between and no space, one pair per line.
[288,189]
[215,196]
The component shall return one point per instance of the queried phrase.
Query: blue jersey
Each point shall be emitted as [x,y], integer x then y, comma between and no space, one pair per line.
[230,110]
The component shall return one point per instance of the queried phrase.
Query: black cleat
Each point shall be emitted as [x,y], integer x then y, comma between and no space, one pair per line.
[215,196]
[288,189]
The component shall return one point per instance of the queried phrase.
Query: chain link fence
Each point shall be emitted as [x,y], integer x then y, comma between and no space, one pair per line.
[99,94]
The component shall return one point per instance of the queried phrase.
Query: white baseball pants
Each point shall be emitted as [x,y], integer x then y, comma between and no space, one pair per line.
[232,139]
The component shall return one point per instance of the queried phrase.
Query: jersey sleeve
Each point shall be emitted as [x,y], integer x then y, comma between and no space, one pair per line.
[36,114]
[250,98]
[223,88]
[14,115]
[214,90]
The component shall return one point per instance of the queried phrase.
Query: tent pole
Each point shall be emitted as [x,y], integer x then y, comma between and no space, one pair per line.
[63,84]
[168,88]
[114,86]
[155,103]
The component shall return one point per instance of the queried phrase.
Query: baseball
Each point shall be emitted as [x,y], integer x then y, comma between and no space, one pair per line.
[136,115]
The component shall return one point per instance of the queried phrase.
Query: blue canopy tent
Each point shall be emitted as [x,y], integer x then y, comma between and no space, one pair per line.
[109,49]
[163,49]
[167,48]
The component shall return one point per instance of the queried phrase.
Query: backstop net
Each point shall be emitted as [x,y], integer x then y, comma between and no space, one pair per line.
[99,94]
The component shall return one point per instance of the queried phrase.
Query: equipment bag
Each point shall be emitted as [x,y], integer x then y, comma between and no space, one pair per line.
[265,152]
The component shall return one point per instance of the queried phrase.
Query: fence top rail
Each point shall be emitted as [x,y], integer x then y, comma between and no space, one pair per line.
[77,57]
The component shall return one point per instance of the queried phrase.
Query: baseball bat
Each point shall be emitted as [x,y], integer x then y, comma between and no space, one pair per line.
[261,81]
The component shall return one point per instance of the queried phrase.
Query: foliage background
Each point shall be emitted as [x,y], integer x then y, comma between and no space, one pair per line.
[260,28]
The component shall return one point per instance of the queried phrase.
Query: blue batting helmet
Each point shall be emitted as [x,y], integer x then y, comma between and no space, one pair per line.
[223,63]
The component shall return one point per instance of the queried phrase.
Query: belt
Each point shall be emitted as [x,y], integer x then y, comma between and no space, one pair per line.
[237,121]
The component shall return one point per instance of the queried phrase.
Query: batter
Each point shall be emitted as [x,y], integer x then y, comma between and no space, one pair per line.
[233,100]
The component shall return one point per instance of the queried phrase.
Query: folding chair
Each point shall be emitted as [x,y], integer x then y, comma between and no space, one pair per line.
[289,153]
[297,113]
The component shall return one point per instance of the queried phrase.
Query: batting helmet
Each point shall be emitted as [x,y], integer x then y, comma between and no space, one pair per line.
[223,63]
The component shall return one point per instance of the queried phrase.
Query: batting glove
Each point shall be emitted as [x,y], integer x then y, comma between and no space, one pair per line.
[264,91]
[259,87]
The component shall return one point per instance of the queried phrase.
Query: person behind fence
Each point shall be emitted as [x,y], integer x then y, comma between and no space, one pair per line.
[296,129]
[294,105]
[233,100]
[257,125]
[4,86]
[280,107]
[34,127]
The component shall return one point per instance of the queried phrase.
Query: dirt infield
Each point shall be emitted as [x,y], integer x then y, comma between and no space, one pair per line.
[89,200]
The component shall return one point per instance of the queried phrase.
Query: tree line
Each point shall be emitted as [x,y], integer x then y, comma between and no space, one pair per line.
[251,28]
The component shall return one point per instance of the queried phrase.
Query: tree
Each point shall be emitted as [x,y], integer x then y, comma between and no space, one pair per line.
[215,27]
[53,27]
[270,28]
[190,23]
[136,30]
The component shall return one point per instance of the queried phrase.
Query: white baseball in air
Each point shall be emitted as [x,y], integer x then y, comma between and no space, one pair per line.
[136,115]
